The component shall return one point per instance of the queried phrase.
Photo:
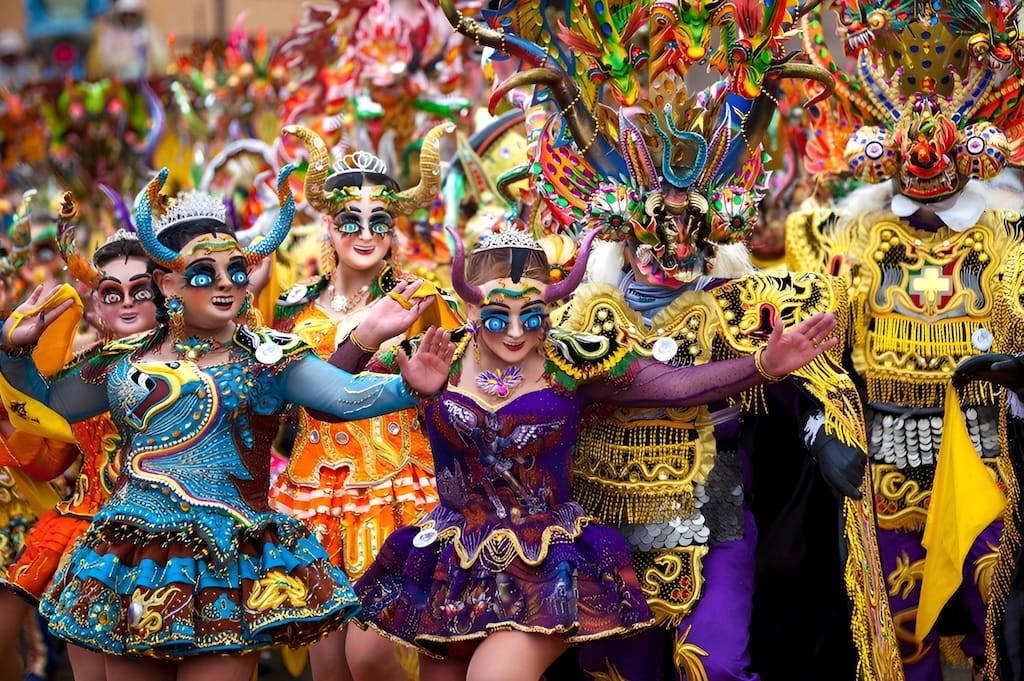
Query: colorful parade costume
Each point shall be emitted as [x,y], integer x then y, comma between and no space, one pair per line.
[506,534]
[58,529]
[932,265]
[676,174]
[356,482]
[186,557]
[352,482]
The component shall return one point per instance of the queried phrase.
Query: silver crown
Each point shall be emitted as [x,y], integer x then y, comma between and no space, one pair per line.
[509,237]
[362,161]
[191,205]
[121,234]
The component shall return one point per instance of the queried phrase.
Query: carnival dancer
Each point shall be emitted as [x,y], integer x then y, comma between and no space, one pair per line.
[507,567]
[355,482]
[676,173]
[123,302]
[932,265]
[186,560]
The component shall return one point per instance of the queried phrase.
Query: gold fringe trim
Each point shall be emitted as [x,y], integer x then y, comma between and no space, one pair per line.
[1009,548]
[871,625]
[895,388]
[631,503]
[952,654]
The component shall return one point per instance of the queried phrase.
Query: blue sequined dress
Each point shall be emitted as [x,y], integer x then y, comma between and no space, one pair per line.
[186,557]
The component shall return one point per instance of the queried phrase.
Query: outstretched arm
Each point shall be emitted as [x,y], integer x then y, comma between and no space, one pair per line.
[331,394]
[650,383]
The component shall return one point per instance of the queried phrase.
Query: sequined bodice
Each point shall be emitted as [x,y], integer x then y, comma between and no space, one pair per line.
[188,431]
[509,461]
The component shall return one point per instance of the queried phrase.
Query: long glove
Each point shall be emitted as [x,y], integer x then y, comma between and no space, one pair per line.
[841,465]
[1004,370]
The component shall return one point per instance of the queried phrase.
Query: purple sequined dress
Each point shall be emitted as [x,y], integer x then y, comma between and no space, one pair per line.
[507,548]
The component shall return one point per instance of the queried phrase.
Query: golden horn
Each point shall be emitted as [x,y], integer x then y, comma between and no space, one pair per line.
[319,166]
[430,173]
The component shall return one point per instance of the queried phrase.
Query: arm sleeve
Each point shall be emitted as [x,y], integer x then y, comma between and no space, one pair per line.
[42,458]
[348,357]
[650,383]
[331,394]
[69,395]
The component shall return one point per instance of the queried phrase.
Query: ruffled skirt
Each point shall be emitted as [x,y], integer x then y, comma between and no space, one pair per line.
[126,590]
[353,522]
[46,545]
[582,589]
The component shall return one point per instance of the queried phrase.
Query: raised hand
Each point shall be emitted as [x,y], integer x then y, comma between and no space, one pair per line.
[1004,370]
[426,372]
[789,350]
[27,323]
[393,314]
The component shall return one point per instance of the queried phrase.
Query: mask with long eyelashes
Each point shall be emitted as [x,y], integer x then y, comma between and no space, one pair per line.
[112,293]
[204,274]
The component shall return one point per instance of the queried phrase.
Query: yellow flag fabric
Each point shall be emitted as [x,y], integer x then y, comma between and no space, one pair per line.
[965,500]
[437,314]
[41,496]
[52,352]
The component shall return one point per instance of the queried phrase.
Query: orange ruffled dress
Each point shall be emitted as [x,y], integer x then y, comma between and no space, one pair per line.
[353,483]
[57,530]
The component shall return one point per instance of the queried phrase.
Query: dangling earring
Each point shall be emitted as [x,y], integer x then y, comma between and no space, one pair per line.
[106,332]
[247,313]
[473,329]
[176,317]
[328,259]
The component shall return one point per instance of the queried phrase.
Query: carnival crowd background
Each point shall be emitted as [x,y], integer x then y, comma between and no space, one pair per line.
[749,165]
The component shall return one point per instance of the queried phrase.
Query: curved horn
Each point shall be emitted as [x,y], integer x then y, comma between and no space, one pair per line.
[809,72]
[21,229]
[563,288]
[160,254]
[581,121]
[158,126]
[121,212]
[319,166]
[79,266]
[430,173]
[481,34]
[468,292]
[507,179]
[268,244]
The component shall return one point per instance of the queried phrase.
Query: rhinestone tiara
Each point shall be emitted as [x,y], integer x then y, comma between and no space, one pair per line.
[362,161]
[191,205]
[509,237]
[121,234]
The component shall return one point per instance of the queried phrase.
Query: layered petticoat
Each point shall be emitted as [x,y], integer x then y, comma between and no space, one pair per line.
[579,584]
[182,582]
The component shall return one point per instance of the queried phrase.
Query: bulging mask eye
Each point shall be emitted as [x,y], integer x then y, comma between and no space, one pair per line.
[495,324]
[878,20]
[200,280]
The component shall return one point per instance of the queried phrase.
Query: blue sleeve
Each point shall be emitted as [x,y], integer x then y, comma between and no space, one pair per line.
[336,395]
[69,395]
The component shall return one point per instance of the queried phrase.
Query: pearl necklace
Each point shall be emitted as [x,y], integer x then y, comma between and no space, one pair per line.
[341,303]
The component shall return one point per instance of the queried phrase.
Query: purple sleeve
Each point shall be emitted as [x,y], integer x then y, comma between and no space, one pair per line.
[350,357]
[650,383]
